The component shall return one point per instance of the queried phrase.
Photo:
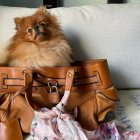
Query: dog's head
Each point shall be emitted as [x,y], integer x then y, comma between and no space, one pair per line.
[39,27]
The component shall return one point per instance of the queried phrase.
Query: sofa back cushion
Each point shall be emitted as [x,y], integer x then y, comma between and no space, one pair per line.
[105,31]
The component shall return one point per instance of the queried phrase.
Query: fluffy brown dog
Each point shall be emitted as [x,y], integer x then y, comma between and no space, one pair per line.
[38,42]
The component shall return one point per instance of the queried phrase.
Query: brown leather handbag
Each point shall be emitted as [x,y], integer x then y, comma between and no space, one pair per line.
[93,94]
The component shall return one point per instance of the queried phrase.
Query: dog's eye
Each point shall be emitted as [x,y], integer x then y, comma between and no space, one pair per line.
[29,30]
[42,23]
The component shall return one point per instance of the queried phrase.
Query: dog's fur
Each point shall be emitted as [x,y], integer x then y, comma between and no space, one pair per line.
[38,42]
[3,55]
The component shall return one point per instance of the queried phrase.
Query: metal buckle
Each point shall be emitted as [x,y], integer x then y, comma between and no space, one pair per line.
[53,86]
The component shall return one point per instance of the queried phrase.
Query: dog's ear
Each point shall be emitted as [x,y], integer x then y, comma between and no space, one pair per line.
[42,9]
[18,21]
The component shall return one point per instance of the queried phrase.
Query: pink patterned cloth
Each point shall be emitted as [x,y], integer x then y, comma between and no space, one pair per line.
[56,124]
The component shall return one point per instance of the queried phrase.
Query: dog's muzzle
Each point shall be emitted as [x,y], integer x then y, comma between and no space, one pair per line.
[37,29]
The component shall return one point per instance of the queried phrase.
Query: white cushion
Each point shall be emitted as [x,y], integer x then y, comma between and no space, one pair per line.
[128,109]
[106,31]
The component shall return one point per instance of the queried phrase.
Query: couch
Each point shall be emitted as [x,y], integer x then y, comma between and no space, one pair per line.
[98,31]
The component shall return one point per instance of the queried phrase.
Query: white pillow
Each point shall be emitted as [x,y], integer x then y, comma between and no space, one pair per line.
[106,31]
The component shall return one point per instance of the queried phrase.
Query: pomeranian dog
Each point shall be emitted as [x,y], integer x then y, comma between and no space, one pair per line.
[38,42]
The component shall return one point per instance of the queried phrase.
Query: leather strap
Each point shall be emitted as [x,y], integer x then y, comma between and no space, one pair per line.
[69,80]
[93,79]
[68,86]
[28,77]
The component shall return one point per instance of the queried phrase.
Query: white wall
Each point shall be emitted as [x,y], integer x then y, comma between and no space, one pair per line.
[69,3]
[133,1]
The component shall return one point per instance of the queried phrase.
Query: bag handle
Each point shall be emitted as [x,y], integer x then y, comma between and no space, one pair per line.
[28,77]
[68,86]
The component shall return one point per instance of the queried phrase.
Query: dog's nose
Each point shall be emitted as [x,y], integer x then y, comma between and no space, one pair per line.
[36,28]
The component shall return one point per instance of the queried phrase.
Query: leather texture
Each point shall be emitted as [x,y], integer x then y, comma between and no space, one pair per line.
[10,130]
[92,92]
